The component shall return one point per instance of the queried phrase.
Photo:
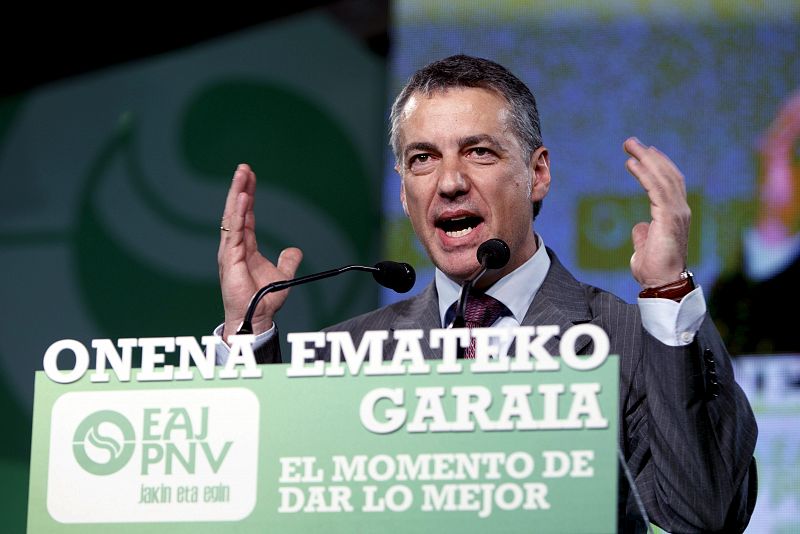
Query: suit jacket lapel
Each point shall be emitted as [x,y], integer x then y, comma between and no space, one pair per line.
[561,300]
[422,312]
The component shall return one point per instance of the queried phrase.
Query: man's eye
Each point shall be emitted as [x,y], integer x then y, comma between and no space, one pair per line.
[419,158]
[480,151]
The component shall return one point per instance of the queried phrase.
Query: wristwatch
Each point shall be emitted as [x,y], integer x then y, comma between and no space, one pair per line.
[674,290]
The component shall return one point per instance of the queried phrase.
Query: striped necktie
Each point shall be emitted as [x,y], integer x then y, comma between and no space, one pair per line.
[482,311]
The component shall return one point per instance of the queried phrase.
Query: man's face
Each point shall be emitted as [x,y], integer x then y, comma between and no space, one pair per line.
[465,179]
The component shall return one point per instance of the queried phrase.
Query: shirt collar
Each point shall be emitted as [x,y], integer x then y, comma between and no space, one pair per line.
[516,289]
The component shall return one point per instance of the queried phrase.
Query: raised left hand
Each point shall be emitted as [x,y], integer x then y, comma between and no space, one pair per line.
[660,246]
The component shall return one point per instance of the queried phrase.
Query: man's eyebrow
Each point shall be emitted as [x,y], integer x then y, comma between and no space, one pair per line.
[421,146]
[470,140]
[480,139]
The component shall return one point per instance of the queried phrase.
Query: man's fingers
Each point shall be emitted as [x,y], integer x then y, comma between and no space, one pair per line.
[634,147]
[232,228]
[657,174]
[650,158]
[249,236]
[289,260]
[238,184]
[645,177]
[239,218]
[235,206]
[635,164]
[635,167]
[250,185]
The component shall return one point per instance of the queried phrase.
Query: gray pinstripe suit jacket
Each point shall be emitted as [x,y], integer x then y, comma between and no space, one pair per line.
[686,429]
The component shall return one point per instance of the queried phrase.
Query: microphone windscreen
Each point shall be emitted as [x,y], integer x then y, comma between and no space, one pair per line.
[494,254]
[397,276]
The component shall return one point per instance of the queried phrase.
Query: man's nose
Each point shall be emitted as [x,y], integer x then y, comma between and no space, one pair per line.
[453,179]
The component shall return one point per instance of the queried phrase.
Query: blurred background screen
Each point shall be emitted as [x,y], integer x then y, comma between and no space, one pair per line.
[715,86]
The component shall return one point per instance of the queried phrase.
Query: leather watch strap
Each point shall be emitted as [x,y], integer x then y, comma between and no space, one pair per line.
[674,290]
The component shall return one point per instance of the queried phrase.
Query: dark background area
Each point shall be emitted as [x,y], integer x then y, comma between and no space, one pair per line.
[41,46]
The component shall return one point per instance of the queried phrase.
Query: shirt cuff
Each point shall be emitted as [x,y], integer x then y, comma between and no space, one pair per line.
[222,349]
[674,323]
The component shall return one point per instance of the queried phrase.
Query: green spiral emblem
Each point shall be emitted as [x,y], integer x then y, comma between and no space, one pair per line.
[88,434]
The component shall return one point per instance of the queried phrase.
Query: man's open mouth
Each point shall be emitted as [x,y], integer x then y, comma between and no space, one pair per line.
[459,226]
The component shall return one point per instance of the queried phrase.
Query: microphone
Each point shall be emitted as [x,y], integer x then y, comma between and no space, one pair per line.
[399,277]
[492,254]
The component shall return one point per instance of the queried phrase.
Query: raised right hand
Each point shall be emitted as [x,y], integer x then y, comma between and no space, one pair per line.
[242,268]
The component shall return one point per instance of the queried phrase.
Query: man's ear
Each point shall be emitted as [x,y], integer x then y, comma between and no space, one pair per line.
[403,196]
[540,173]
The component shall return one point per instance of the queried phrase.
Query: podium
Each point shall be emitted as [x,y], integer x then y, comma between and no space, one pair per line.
[339,447]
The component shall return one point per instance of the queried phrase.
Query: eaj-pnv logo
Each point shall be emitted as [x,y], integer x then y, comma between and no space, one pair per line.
[152,455]
[103,442]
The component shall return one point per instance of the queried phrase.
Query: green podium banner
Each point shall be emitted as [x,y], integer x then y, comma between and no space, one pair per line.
[445,446]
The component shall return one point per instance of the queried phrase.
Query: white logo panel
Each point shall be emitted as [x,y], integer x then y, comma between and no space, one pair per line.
[153,456]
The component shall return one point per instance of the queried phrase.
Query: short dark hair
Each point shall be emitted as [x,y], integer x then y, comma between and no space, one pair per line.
[467,71]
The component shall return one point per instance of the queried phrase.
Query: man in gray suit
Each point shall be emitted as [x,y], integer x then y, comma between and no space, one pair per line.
[465,134]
